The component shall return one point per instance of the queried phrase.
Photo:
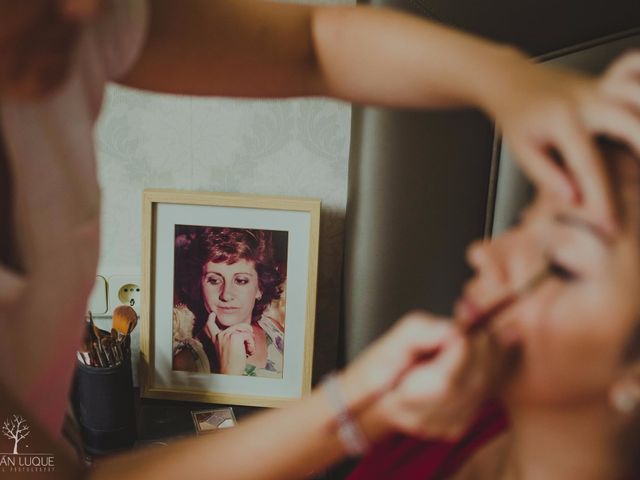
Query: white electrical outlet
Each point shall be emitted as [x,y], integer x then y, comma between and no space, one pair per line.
[124,290]
[117,289]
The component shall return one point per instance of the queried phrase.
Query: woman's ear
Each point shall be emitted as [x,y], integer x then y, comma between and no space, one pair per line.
[624,394]
[259,295]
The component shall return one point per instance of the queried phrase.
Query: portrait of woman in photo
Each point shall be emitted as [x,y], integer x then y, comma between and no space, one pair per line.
[229,302]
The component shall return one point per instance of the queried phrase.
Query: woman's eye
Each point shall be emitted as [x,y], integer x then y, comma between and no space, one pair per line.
[562,272]
[213,281]
[519,218]
[242,280]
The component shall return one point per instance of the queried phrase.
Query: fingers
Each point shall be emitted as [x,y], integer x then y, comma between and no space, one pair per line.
[213,325]
[619,124]
[238,335]
[249,343]
[626,92]
[582,158]
[432,400]
[233,345]
[418,333]
[382,364]
[436,376]
[247,335]
[577,111]
[540,167]
[622,81]
[626,66]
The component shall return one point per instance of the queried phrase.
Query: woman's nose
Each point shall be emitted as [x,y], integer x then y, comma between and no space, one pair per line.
[225,293]
[486,257]
[479,254]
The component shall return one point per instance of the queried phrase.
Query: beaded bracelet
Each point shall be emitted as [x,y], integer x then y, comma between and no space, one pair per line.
[348,431]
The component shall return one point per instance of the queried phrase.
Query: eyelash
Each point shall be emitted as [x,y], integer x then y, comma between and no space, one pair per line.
[519,218]
[216,281]
[561,272]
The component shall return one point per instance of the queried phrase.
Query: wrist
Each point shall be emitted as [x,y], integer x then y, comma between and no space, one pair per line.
[503,67]
[344,423]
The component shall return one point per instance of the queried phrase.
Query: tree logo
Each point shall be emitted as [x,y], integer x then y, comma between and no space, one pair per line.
[15,428]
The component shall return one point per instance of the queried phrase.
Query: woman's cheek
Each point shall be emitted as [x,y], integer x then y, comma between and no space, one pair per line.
[210,294]
[576,342]
[540,337]
[248,297]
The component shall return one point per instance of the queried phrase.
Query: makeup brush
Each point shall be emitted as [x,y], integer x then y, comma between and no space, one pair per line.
[483,321]
[115,345]
[125,319]
[81,358]
[92,326]
[98,337]
[94,340]
[108,352]
[102,361]
[84,354]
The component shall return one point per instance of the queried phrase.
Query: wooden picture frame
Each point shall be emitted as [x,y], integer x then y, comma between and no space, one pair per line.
[230,311]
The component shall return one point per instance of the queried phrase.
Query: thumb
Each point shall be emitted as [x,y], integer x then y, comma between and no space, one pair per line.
[438,374]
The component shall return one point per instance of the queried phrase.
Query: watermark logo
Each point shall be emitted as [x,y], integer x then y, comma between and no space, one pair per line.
[16,429]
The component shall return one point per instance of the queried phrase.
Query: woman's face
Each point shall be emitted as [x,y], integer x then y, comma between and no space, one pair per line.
[230,291]
[573,328]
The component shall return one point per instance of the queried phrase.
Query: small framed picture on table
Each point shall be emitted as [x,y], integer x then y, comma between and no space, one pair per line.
[208,421]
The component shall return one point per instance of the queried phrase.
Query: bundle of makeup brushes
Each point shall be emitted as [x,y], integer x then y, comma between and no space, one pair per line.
[109,349]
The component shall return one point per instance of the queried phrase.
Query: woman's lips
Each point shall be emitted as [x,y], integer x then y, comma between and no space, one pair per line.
[228,309]
[472,320]
[466,311]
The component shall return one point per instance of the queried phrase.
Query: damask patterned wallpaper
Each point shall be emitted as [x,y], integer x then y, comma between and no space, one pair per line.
[285,147]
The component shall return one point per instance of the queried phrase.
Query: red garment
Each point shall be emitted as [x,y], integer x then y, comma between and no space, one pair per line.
[406,458]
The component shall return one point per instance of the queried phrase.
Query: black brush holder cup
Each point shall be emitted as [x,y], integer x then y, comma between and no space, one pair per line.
[104,405]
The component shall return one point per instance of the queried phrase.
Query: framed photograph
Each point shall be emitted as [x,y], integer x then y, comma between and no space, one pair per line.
[231,293]
[209,421]
[510,191]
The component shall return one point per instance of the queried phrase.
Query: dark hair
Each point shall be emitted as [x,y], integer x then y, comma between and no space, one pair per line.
[617,157]
[196,246]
